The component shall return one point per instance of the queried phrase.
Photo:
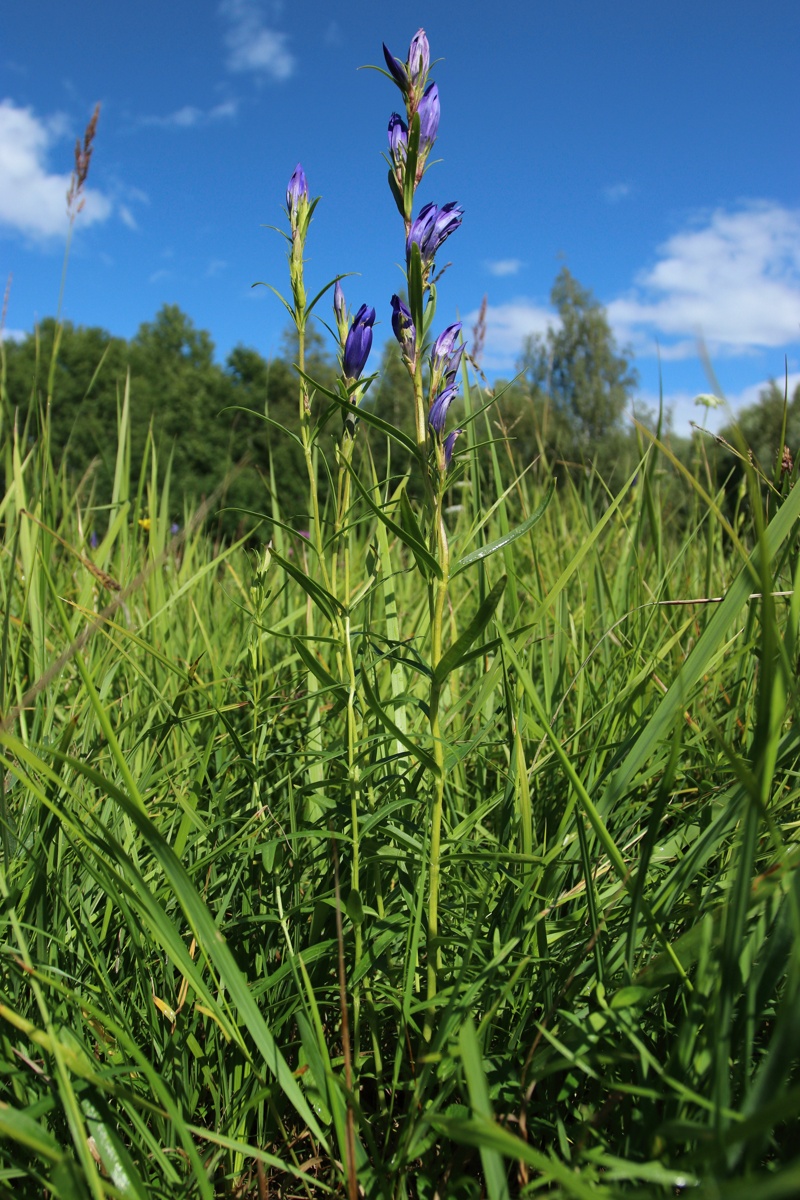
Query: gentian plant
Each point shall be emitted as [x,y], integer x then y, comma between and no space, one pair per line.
[435,364]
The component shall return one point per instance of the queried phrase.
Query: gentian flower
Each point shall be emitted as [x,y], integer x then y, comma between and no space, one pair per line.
[412,75]
[404,330]
[358,344]
[398,139]
[397,69]
[296,191]
[340,312]
[449,443]
[431,228]
[437,414]
[429,113]
[419,58]
[446,357]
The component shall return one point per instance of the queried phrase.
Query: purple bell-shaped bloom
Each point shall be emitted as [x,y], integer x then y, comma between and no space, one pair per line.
[432,227]
[340,312]
[358,344]
[445,344]
[411,76]
[437,414]
[398,139]
[296,191]
[419,58]
[397,69]
[449,443]
[446,357]
[403,328]
[429,113]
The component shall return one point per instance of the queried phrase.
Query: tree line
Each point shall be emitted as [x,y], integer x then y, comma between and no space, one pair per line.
[217,423]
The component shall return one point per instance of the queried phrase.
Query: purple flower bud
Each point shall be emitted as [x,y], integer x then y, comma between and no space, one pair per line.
[453,365]
[449,443]
[398,139]
[419,58]
[445,344]
[340,312]
[432,227]
[358,344]
[429,113]
[297,190]
[339,306]
[397,69]
[437,414]
[446,357]
[403,327]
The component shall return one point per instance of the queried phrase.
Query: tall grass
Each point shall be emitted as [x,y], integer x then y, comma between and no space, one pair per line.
[324,873]
[619,898]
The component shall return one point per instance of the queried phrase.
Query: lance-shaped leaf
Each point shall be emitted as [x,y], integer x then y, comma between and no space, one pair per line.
[425,560]
[365,415]
[449,661]
[321,597]
[312,664]
[512,535]
[410,177]
[374,704]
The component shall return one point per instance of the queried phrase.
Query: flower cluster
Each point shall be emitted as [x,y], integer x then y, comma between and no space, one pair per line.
[410,143]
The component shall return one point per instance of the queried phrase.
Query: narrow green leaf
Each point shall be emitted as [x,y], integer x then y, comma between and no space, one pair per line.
[320,595]
[420,551]
[410,177]
[472,1060]
[483,616]
[374,704]
[485,551]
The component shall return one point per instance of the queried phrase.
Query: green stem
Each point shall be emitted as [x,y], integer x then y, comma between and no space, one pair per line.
[438,600]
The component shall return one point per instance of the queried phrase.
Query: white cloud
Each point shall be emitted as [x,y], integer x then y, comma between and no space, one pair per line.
[127,217]
[216,267]
[13,335]
[616,192]
[507,326]
[251,45]
[732,279]
[504,266]
[33,199]
[189,116]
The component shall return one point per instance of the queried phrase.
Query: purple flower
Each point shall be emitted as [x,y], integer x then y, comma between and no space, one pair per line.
[340,311]
[339,307]
[446,357]
[358,344]
[445,344]
[397,69]
[411,76]
[419,58]
[432,227]
[398,139]
[403,327]
[449,443]
[437,414]
[297,190]
[429,113]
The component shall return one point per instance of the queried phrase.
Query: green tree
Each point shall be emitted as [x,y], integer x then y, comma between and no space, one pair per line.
[579,380]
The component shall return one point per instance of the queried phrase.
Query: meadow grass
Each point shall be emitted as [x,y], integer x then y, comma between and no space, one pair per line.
[214,964]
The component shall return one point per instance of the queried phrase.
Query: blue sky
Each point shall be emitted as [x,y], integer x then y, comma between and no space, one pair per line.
[652,147]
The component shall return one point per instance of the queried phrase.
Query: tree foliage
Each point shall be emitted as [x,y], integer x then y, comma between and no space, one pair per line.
[578,380]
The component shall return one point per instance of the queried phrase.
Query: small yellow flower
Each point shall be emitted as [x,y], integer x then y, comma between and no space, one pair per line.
[145,523]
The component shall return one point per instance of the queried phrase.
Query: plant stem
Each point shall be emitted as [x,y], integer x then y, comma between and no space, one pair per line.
[438,599]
